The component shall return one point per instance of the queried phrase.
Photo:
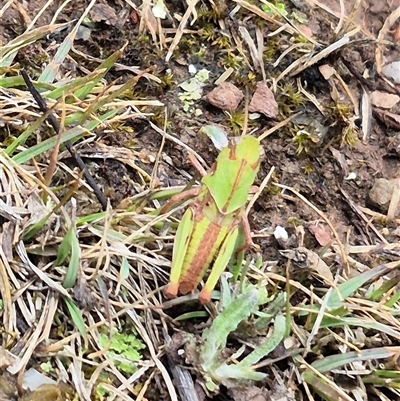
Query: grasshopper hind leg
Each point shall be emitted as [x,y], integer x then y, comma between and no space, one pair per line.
[226,251]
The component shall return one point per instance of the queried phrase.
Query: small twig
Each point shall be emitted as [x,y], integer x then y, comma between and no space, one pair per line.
[56,126]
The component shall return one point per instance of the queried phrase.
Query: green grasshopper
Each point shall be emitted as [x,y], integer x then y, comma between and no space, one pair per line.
[215,222]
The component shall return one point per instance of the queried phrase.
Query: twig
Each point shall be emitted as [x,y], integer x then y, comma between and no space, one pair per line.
[56,126]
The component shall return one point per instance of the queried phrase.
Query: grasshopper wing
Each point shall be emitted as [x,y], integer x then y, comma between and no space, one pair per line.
[235,172]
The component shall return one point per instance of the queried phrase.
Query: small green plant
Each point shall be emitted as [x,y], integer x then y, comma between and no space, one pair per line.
[222,42]
[305,141]
[236,121]
[207,32]
[123,350]
[232,60]
[289,99]
[234,310]
[193,89]
[274,9]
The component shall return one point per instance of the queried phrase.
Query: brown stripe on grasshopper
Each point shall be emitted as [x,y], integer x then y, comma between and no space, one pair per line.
[200,253]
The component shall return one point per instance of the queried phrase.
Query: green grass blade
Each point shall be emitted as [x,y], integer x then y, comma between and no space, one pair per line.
[76,84]
[25,135]
[75,118]
[331,362]
[383,289]
[349,287]
[326,390]
[46,145]
[125,268]
[359,322]
[101,102]
[50,72]
[76,317]
[65,247]
[13,82]
[35,228]
[104,67]
[91,218]
[73,265]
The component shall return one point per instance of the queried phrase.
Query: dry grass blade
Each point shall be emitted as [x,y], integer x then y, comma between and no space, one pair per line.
[390,20]
[10,50]
[35,336]
[182,25]
[163,370]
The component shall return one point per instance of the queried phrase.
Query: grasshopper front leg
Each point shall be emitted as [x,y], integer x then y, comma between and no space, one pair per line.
[179,198]
[189,193]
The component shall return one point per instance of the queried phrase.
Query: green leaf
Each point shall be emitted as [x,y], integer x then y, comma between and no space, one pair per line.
[225,372]
[331,362]
[13,82]
[191,316]
[124,350]
[75,84]
[360,322]
[76,316]
[236,170]
[46,145]
[227,321]
[349,287]
[217,135]
[103,68]
[35,228]
[50,72]
[25,135]
[10,50]
[65,247]
[269,312]
[326,390]
[269,345]
[73,265]
[125,268]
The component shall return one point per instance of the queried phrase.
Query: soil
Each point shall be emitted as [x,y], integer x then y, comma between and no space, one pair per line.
[334,172]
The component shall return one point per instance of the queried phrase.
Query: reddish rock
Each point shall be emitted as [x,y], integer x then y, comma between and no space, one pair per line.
[263,101]
[225,96]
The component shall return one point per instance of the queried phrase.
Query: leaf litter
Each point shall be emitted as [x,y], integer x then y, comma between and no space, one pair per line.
[323,329]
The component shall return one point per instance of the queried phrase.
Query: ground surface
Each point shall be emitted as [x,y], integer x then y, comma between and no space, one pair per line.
[324,153]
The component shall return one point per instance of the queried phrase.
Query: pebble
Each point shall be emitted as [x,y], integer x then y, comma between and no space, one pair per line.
[381,193]
[263,101]
[225,96]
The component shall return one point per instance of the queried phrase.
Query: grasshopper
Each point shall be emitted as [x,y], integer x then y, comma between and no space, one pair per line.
[215,222]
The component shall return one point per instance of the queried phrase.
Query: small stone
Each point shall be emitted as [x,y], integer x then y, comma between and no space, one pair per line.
[225,96]
[384,100]
[381,193]
[392,70]
[103,13]
[263,101]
